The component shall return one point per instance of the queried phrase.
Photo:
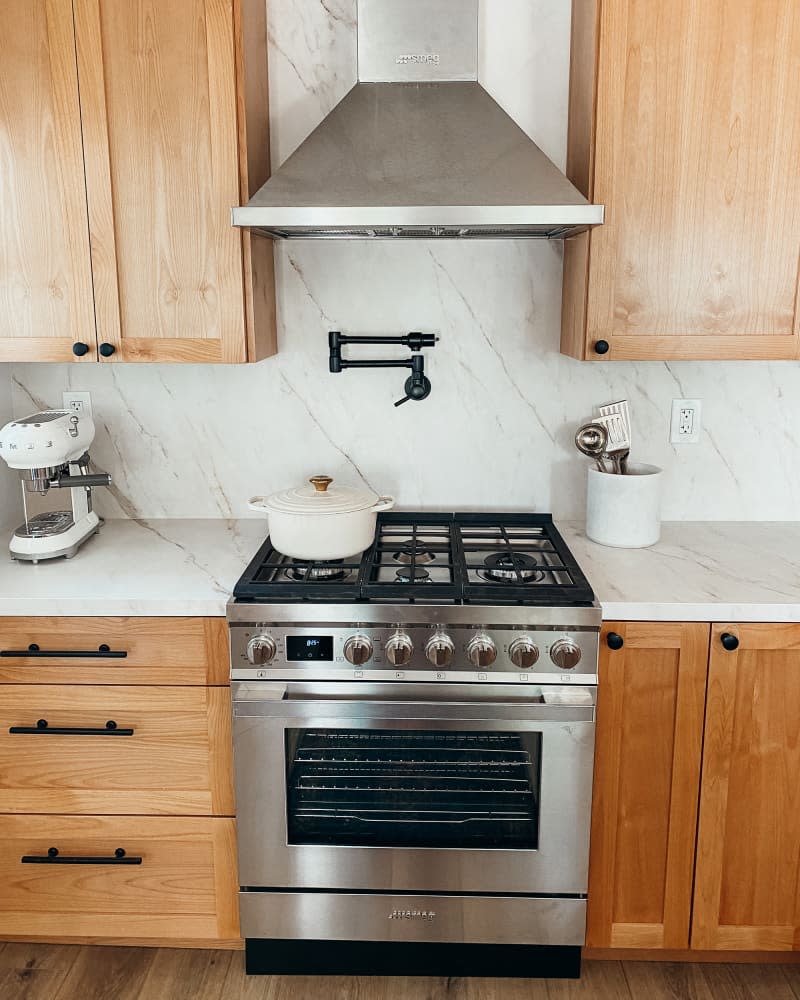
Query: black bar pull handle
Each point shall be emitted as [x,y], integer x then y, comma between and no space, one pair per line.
[103,652]
[54,858]
[42,728]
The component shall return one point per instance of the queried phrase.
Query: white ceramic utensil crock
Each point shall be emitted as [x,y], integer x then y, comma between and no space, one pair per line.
[624,511]
[318,522]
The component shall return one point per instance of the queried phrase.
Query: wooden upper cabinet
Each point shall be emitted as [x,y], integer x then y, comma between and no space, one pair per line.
[45,268]
[128,133]
[685,124]
[651,696]
[747,894]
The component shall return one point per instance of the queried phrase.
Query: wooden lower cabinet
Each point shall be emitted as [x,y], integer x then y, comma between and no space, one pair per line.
[169,752]
[183,887]
[649,737]
[747,894]
[160,788]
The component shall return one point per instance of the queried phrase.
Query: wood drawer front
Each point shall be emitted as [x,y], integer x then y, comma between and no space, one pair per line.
[159,650]
[185,887]
[178,760]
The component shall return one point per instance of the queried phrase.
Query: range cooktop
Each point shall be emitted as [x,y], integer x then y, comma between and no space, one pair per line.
[424,558]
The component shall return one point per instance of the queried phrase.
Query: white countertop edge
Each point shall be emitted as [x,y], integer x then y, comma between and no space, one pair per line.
[621,611]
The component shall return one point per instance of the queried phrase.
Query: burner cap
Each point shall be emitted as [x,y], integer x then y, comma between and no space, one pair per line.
[511,567]
[420,575]
[406,549]
[321,572]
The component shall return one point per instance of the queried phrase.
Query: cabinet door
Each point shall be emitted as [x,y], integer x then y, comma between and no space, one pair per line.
[159,105]
[45,267]
[647,768]
[747,893]
[694,150]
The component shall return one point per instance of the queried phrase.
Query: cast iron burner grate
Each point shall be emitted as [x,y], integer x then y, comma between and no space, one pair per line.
[457,558]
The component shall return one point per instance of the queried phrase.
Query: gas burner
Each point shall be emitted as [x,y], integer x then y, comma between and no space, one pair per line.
[405,551]
[511,567]
[322,572]
[420,575]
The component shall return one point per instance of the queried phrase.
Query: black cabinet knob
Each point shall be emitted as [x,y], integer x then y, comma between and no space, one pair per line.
[79,349]
[106,350]
[614,640]
[730,642]
[601,347]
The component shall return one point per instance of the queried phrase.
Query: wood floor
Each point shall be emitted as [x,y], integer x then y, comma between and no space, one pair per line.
[70,972]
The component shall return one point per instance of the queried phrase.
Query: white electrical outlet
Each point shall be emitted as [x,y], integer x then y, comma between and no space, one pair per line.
[78,402]
[685,424]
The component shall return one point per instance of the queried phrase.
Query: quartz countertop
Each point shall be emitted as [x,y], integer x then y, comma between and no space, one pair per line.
[699,571]
[745,571]
[149,568]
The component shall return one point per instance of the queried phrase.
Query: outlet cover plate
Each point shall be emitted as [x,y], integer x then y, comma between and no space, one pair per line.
[78,402]
[686,421]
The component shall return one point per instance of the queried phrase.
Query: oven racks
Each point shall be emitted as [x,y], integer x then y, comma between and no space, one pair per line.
[413,790]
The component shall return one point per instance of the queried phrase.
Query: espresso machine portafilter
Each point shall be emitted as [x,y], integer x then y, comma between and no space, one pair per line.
[49,450]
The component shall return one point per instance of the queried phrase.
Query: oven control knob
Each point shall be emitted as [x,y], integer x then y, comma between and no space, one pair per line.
[481,651]
[565,653]
[439,649]
[523,653]
[399,649]
[261,649]
[357,650]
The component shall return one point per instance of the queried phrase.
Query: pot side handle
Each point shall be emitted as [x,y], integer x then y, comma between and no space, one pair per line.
[259,504]
[382,503]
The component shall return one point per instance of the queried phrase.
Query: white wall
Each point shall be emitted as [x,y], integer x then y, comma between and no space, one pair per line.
[10,505]
[497,431]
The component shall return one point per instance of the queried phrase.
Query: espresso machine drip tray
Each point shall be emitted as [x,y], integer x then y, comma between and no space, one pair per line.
[53,522]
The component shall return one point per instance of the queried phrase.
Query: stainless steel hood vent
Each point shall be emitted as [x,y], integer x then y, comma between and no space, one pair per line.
[418,149]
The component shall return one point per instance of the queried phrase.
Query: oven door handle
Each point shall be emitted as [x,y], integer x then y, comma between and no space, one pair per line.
[275,701]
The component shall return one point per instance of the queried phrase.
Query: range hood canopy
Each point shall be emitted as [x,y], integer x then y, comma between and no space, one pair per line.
[418,149]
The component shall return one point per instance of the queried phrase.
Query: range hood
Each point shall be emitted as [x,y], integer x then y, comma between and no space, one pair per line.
[418,149]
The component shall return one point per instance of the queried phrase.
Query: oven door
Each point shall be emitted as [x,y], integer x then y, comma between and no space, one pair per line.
[391,787]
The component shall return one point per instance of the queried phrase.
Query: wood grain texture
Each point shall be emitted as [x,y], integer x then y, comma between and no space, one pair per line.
[581,147]
[648,744]
[250,29]
[696,145]
[45,266]
[748,856]
[163,80]
[185,887]
[179,651]
[177,762]
[170,974]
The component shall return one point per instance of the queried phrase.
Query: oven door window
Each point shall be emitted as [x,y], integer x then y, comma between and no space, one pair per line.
[392,788]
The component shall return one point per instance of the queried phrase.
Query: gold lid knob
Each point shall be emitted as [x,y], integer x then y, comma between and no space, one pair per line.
[321,483]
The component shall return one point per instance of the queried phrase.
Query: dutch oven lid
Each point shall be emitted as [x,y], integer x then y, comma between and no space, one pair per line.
[320,497]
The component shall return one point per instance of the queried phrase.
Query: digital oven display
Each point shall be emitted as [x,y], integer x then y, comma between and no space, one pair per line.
[305,648]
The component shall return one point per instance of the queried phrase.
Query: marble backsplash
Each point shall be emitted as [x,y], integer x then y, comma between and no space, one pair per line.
[10,503]
[194,441]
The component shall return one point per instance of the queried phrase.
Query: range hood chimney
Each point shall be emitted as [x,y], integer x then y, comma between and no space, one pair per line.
[418,149]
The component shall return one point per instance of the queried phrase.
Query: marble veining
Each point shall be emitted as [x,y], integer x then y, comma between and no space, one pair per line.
[197,441]
[698,571]
[701,571]
[10,502]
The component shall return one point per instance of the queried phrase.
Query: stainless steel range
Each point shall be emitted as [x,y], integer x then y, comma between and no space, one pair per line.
[414,743]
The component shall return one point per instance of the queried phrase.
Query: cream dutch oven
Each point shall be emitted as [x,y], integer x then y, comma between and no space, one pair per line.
[321,521]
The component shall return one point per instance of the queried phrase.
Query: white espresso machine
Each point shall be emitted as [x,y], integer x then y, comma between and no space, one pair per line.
[49,450]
